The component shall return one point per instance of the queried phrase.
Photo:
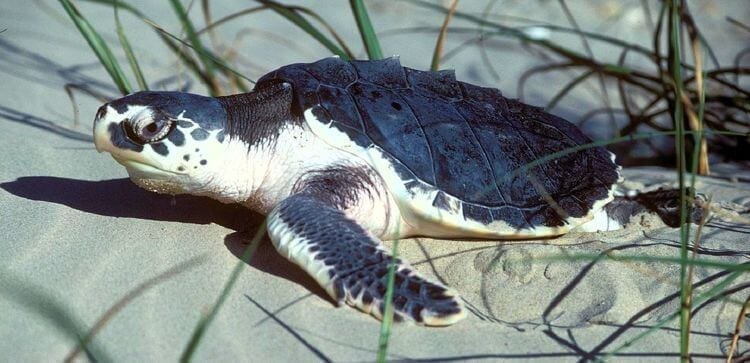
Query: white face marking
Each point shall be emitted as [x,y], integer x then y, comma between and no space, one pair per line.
[178,163]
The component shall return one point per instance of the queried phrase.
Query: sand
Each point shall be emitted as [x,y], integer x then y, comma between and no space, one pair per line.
[78,237]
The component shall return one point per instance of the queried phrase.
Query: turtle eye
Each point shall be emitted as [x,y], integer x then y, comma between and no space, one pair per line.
[148,130]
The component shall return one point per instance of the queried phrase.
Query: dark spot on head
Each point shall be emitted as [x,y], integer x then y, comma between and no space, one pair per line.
[184,124]
[176,137]
[197,149]
[396,106]
[195,167]
[220,136]
[199,134]
[192,107]
[101,112]
[180,168]
[204,162]
[160,148]
[186,157]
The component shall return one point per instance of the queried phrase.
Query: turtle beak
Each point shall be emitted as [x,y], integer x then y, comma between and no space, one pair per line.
[101,135]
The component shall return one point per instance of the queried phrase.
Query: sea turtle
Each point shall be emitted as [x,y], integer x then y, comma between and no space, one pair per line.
[343,154]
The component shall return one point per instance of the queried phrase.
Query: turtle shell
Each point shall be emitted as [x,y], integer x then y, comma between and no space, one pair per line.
[453,153]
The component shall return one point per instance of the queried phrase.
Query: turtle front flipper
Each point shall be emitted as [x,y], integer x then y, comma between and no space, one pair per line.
[352,265]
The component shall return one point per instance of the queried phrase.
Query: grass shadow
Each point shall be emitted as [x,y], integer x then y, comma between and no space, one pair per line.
[268,260]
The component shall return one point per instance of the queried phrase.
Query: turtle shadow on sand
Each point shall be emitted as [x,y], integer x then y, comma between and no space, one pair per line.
[122,198]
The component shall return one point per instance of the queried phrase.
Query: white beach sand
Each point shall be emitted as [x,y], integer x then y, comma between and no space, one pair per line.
[76,236]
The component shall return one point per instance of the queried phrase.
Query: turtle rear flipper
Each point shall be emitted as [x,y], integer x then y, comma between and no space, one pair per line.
[352,265]
[663,202]
[666,203]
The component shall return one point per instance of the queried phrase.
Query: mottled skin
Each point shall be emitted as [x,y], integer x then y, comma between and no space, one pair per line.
[342,155]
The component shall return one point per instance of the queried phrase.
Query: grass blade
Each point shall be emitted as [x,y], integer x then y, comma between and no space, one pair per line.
[170,39]
[328,27]
[121,5]
[369,38]
[435,64]
[713,291]
[236,83]
[61,317]
[214,24]
[738,328]
[300,9]
[590,53]
[195,42]
[129,50]
[305,25]
[630,137]
[100,48]
[204,322]
[129,297]
[582,77]
[387,323]
[675,55]
[173,43]
[624,257]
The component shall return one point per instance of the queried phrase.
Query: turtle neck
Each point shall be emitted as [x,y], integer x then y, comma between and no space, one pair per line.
[257,116]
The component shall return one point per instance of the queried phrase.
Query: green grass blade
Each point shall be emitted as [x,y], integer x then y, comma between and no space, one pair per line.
[100,48]
[203,323]
[369,38]
[713,291]
[171,41]
[676,68]
[305,25]
[299,9]
[207,61]
[387,323]
[129,50]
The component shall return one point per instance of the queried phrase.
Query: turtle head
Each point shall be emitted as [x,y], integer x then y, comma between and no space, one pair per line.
[169,142]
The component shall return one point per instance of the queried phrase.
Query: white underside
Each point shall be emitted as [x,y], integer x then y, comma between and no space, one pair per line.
[420,217]
[600,223]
